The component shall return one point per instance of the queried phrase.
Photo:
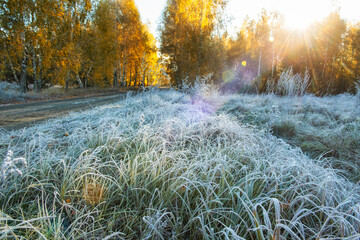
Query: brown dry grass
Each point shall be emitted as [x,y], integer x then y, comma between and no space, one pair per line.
[93,191]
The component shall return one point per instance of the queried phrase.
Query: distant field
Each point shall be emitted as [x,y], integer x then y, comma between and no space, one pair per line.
[195,165]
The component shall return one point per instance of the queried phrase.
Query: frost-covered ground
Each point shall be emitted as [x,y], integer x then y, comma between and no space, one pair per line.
[322,127]
[10,92]
[169,165]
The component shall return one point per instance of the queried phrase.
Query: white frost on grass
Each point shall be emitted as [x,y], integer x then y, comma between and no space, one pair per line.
[12,166]
[173,166]
[289,84]
[11,92]
[321,127]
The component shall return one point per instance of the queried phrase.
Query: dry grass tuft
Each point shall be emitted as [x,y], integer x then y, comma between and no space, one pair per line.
[93,191]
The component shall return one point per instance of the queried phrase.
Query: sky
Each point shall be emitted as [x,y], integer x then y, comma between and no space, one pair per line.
[297,13]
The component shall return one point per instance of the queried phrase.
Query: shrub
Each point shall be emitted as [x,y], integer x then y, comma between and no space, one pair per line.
[357,86]
[289,84]
[9,92]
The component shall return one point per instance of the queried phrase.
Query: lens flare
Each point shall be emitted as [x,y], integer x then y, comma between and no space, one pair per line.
[228,76]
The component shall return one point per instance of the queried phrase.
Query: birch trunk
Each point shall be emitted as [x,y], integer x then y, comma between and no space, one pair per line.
[39,75]
[36,85]
[259,67]
[130,80]
[124,80]
[67,81]
[143,79]
[87,76]
[23,81]
[11,66]
[79,80]
[136,77]
[115,78]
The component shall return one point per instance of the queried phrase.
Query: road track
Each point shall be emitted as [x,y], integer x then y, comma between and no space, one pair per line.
[13,117]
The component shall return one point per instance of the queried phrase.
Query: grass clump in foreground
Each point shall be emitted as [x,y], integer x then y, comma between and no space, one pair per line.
[165,165]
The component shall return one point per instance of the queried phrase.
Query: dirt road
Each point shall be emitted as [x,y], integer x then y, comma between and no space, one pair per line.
[14,117]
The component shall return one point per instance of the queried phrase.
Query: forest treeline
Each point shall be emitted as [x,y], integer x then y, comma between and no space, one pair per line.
[76,43]
[104,43]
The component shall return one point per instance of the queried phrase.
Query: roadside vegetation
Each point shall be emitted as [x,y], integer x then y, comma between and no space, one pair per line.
[10,93]
[168,165]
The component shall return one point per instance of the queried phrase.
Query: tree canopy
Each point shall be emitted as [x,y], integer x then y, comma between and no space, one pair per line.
[82,43]
[75,42]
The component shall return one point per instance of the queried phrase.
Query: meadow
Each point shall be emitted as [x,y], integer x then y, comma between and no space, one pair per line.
[323,127]
[165,164]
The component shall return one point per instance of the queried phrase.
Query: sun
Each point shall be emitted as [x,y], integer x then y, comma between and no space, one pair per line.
[296,22]
[299,15]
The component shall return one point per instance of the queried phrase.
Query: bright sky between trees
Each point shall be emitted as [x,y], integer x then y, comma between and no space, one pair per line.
[298,14]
